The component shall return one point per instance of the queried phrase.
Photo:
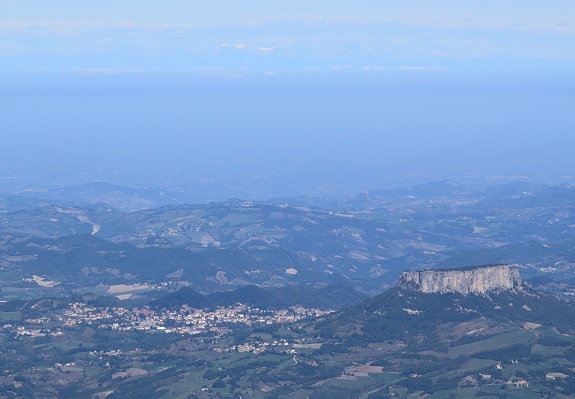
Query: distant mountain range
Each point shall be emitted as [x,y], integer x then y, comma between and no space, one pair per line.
[364,241]
[122,198]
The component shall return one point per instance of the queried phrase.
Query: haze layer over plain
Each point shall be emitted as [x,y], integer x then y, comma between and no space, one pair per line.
[269,101]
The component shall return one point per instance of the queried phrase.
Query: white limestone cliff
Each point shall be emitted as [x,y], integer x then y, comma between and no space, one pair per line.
[476,280]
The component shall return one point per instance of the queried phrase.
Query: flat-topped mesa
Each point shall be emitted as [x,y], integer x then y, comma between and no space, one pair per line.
[474,280]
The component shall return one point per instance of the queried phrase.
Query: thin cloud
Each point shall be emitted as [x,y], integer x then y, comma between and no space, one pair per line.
[109,71]
[422,68]
[345,45]
[404,68]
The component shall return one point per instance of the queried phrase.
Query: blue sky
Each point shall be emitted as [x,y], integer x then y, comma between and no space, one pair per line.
[222,12]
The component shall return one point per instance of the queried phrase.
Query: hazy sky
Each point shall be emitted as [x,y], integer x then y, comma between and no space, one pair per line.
[530,13]
[251,37]
[312,92]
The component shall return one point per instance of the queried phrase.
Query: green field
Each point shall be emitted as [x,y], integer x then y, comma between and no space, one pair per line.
[548,351]
[9,316]
[474,365]
[496,342]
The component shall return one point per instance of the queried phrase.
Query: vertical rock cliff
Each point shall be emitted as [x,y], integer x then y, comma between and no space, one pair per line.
[475,280]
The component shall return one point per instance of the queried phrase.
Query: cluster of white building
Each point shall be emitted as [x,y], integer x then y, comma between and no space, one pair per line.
[186,320]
